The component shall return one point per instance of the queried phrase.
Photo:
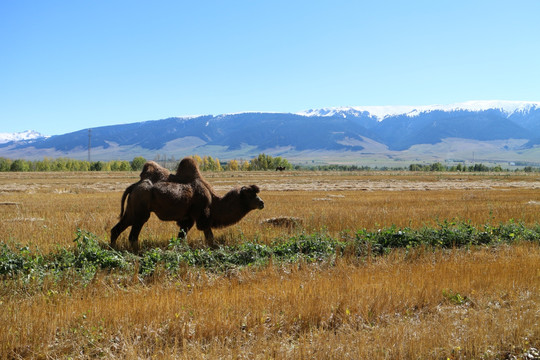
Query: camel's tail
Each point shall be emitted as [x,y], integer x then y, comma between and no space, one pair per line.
[124,196]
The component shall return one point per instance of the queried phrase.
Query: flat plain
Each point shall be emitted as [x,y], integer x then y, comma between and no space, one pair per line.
[474,302]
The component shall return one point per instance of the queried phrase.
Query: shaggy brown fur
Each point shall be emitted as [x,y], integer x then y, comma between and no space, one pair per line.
[186,173]
[184,204]
[154,172]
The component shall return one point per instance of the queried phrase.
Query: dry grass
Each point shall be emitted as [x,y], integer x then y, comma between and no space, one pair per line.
[49,209]
[476,303]
[458,304]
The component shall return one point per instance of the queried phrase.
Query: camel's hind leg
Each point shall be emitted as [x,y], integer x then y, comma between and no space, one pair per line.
[118,229]
[136,230]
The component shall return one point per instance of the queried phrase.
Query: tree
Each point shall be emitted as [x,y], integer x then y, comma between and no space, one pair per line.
[218,165]
[261,162]
[210,164]
[207,163]
[233,165]
[85,166]
[436,167]
[480,168]
[44,165]
[124,166]
[198,160]
[20,165]
[137,163]
[96,166]
[246,166]
[415,167]
[267,162]
[5,164]
[59,164]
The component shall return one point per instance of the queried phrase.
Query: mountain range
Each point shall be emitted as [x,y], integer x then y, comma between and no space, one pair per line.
[489,131]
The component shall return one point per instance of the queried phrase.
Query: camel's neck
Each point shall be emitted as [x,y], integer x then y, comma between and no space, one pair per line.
[227,210]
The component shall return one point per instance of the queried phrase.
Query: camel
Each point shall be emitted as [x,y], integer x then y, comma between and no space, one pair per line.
[185,204]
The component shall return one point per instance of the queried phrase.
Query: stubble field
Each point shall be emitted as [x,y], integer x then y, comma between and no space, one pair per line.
[466,302]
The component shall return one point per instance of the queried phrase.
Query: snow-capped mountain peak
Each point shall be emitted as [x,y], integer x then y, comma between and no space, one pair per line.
[507,107]
[382,112]
[20,136]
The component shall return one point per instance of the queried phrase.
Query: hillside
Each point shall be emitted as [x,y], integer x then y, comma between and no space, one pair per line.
[487,131]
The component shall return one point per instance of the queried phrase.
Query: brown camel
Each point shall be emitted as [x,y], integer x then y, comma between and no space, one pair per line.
[188,203]
[185,204]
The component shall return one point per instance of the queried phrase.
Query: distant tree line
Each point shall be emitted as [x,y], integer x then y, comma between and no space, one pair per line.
[205,163]
[63,164]
[462,167]
[209,163]
[336,167]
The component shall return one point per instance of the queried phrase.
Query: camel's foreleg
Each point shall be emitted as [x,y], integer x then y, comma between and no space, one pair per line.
[185,225]
[134,237]
[203,220]
[209,236]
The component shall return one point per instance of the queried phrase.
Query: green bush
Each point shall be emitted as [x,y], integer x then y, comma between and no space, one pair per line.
[137,163]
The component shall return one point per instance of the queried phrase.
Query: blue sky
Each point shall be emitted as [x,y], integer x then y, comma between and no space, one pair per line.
[71,65]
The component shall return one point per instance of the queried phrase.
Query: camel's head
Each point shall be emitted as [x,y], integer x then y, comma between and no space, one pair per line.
[249,194]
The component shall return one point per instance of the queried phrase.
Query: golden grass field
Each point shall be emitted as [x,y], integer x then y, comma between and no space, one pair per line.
[481,303]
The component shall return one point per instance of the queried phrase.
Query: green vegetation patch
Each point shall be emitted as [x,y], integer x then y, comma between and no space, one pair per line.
[90,254]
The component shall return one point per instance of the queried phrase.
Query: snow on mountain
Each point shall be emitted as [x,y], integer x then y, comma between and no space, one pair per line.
[20,136]
[382,112]
[507,107]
